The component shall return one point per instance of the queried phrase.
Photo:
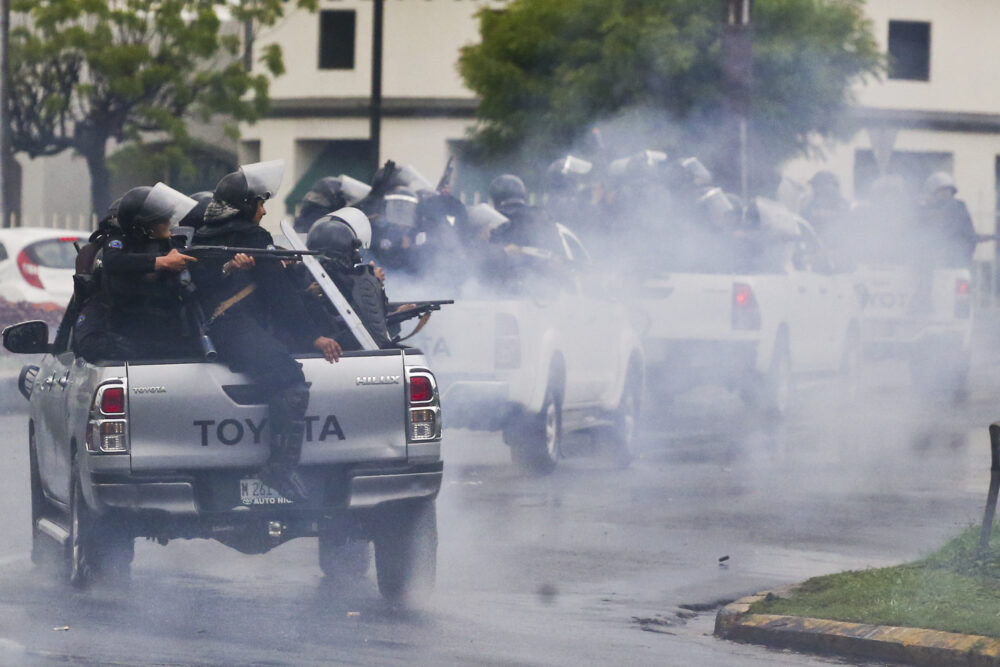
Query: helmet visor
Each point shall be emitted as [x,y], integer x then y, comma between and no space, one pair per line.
[575,165]
[484,215]
[264,178]
[401,210]
[164,204]
[414,180]
[359,222]
[353,189]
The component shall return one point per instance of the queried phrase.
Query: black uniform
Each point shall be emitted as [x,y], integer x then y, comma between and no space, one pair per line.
[136,312]
[240,331]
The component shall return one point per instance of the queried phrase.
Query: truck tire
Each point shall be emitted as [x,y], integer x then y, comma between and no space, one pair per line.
[537,445]
[98,548]
[406,552]
[43,548]
[623,434]
[343,559]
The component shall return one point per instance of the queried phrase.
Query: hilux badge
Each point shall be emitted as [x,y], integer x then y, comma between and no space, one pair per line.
[378,379]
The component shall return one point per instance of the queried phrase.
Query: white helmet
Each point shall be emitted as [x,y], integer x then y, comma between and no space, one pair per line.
[939,180]
[357,221]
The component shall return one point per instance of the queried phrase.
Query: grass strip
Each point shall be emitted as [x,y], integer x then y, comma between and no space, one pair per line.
[950,590]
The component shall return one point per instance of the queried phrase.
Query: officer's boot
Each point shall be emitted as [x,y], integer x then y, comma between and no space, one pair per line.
[288,408]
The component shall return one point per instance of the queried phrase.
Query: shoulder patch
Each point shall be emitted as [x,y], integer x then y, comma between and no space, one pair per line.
[115,244]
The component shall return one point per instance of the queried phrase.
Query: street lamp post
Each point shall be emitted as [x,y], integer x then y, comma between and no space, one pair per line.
[737,68]
[375,113]
[5,155]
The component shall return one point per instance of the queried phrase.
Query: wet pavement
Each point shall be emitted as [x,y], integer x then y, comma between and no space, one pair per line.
[592,565]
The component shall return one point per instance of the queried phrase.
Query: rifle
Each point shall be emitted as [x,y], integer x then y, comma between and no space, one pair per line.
[200,252]
[194,308]
[419,309]
[446,176]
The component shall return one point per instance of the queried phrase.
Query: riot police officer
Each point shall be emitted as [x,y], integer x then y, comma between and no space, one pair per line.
[326,195]
[136,310]
[241,298]
[526,227]
[334,236]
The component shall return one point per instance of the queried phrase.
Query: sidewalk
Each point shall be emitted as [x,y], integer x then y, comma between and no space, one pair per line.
[912,646]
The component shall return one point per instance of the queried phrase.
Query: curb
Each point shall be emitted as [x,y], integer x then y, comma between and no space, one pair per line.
[912,646]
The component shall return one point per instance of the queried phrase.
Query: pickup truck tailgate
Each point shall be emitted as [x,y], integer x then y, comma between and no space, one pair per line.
[202,415]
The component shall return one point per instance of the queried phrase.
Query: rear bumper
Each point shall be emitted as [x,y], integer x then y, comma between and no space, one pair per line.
[335,489]
[901,340]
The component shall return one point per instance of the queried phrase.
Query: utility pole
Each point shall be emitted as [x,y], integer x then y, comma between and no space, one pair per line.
[737,69]
[375,113]
[5,155]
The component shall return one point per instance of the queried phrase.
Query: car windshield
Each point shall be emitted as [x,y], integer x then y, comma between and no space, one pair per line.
[57,253]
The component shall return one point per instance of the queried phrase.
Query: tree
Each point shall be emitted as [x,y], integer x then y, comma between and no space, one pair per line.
[85,72]
[650,72]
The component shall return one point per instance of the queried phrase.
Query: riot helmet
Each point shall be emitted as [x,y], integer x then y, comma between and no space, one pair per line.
[508,189]
[696,173]
[413,179]
[336,239]
[484,215]
[255,182]
[353,189]
[939,180]
[144,208]
[400,208]
[564,173]
[358,222]
[327,194]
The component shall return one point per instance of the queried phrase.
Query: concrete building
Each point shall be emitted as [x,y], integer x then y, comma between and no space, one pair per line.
[939,108]
[319,119]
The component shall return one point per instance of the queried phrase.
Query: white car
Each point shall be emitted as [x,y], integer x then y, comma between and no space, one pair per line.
[37,264]
[782,315]
[933,335]
[541,364]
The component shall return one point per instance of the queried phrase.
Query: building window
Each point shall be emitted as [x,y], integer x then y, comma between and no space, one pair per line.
[910,50]
[336,39]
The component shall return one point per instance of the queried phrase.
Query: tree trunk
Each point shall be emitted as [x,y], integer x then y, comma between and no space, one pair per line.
[95,152]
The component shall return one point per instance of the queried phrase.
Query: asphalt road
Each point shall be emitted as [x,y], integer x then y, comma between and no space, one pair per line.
[592,565]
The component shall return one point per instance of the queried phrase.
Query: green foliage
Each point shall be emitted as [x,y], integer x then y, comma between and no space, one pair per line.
[86,71]
[548,70]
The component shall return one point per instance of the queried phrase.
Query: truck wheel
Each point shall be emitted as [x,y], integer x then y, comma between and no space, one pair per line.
[539,445]
[623,435]
[97,548]
[406,552]
[343,559]
[42,547]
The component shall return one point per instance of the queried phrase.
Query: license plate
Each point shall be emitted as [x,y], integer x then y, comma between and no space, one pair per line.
[255,492]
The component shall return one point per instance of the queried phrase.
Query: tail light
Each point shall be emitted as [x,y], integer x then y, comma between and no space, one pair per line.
[107,431]
[423,407]
[28,269]
[963,302]
[506,343]
[746,313]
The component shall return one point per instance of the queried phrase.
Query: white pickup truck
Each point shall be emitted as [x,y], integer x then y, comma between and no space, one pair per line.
[932,334]
[540,364]
[757,314]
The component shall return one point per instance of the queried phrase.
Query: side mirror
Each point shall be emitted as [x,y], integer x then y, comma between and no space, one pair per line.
[27,337]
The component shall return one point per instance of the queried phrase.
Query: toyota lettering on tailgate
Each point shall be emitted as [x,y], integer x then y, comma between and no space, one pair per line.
[234,431]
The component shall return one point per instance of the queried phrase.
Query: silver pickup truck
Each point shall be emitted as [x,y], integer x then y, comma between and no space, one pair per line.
[169,449]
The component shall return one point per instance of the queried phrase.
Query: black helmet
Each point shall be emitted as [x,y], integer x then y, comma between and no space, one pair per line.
[143,208]
[508,189]
[336,240]
[255,182]
[326,193]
